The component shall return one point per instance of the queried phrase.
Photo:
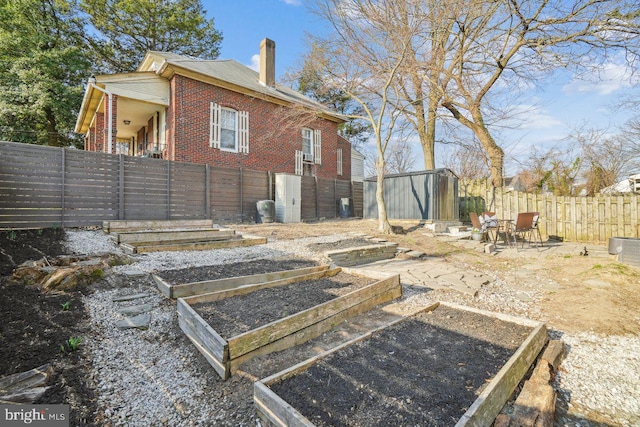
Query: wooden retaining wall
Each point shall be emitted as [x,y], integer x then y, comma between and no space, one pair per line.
[62,187]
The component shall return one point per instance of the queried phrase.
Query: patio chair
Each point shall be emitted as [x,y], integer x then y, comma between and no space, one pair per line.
[536,221]
[491,224]
[524,225]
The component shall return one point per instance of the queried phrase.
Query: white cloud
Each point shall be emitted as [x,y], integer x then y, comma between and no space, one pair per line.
[532,117]
[611,78]
[292,2]
[255,63]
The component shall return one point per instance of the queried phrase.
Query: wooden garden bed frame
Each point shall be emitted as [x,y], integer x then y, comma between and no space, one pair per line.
[207,286]
[274,410]
[226,354]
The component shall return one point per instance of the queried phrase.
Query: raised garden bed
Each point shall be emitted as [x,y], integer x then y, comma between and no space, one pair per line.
[231,326]
[206,279]
[448,365]
[358,255]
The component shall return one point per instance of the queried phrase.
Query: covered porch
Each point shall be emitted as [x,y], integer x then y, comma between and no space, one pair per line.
[125,114]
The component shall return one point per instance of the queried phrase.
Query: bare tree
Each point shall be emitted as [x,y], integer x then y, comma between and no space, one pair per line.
[362,59]
[512,39]
[468,161]
[607,158]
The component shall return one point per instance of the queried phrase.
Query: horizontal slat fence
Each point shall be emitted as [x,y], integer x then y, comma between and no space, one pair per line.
[50,187]
[581,219]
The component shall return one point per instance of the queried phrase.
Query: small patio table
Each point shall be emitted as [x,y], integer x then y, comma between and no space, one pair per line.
[505,225]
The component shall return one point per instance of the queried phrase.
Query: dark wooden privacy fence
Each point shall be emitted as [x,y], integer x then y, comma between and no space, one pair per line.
[48,186]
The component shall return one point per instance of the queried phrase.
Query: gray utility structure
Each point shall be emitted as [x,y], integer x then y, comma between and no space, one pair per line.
[428,195]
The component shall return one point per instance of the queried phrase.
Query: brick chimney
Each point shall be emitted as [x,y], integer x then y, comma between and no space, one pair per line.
[268,62]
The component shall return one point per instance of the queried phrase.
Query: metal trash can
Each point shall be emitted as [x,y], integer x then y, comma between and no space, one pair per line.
[345,207]
[265,211]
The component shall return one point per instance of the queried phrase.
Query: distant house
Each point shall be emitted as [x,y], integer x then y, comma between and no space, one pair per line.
[216,112]
[629,185]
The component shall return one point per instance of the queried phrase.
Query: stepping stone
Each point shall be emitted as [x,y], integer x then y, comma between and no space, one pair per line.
[378,240]
[134,310]
[140,321]
[129,297]
[415,254]
[134,273]
[402,250]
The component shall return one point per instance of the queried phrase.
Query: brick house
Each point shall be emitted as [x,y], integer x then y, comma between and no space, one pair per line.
[218,112]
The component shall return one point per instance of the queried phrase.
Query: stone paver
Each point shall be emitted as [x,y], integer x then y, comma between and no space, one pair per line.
[130,297]
[140,321]
[433,273]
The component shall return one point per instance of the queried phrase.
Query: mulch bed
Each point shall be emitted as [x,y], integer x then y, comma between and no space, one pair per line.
[222,271]
[426,370]
[235,315]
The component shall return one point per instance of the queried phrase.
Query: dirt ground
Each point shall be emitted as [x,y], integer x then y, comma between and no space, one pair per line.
[581,293]
[590,293]
[435,364]
[35,327]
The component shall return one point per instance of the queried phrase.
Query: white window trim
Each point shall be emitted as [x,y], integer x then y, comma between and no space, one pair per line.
[235,131]
[339,156]
[241,130]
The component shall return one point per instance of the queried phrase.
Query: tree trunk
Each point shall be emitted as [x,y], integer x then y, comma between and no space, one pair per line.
[52,133]
[383,223]
[494,151]
[430,157]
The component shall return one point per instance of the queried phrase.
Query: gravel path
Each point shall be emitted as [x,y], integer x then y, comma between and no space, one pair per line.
[155,377]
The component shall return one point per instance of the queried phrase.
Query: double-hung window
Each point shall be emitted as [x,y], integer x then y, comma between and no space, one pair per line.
[311,145]
[307,145]
[229,129]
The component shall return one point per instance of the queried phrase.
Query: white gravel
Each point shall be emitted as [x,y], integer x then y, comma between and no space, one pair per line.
[156,377]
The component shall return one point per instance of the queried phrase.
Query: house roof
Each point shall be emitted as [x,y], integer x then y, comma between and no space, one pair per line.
[157,66]
[231,75]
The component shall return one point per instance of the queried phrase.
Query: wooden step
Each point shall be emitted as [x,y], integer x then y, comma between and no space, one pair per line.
[174,236]
[133,248]
[134,225]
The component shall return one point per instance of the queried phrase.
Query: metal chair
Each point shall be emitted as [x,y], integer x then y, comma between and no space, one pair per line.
[491,224]
[536,228]
[524,225]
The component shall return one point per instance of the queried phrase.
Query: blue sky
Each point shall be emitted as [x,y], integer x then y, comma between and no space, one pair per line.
[550,111]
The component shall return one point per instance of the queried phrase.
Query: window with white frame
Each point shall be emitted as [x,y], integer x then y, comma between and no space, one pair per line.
[339,166]
[229,129]
[311,145]
[307,145]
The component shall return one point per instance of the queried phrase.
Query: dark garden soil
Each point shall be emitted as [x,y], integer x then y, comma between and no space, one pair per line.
[17,247]
[230,316]
[213,272]
[35,328]
[425,371]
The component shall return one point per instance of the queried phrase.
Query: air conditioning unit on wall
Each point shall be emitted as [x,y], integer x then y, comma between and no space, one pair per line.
[306,157]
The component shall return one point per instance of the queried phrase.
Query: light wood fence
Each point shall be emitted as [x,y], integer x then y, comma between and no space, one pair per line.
[48,187]
[581,219]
